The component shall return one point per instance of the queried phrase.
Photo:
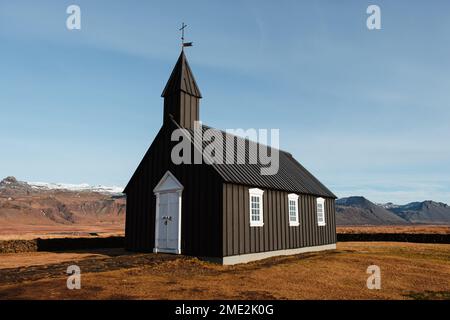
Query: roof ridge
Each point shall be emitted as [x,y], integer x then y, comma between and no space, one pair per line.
[247,139]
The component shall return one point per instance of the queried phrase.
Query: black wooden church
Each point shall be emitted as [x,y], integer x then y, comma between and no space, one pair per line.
[228,213]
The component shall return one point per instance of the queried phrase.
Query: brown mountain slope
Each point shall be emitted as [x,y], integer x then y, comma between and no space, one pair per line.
[22,205]
[360,211]
[425,212]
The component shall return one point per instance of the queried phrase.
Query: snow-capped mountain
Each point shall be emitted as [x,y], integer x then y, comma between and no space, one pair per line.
[388,205]
[39,203]
[76,187]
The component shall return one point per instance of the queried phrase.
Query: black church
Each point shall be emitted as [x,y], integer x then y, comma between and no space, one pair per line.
[225,212]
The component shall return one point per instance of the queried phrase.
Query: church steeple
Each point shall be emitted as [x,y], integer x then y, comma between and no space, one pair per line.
[181,95]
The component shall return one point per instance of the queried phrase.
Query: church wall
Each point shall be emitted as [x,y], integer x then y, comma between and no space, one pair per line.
[239,238]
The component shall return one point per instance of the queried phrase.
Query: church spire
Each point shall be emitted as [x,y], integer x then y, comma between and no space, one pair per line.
[181,79]
[182,95]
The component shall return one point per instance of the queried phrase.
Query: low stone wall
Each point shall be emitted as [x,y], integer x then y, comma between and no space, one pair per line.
[60,244]
[15,246]
[67,244]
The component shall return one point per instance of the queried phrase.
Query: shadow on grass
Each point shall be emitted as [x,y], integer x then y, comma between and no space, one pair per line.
[429,295]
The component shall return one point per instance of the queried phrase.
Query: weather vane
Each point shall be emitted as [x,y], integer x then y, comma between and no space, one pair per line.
[184,44]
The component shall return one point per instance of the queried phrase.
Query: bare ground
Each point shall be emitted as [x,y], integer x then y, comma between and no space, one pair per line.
[409,271]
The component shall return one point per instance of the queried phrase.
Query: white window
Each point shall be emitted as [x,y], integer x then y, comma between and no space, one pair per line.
[256,207]
[321,211]
[293,210]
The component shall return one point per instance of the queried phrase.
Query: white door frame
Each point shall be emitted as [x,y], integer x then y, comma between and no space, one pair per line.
[174,187]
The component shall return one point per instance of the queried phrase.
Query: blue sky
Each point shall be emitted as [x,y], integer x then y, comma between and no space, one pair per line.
[366,111]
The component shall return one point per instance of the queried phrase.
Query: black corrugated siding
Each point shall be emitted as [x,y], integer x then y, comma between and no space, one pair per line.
[276,234]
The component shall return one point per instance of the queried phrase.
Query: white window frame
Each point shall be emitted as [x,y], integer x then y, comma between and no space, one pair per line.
[322,202]
[258,193]
[293,197]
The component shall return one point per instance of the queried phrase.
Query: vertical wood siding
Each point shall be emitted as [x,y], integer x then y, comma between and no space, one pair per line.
[183,107]
[276,234]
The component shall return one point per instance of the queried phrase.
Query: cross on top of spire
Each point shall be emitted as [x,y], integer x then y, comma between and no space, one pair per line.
[183,26]
[184,44]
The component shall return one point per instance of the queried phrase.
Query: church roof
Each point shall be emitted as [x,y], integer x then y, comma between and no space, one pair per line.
[181,79]
[291,175]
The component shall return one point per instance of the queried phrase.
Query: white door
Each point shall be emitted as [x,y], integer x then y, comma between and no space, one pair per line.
[168,222]
[168,214]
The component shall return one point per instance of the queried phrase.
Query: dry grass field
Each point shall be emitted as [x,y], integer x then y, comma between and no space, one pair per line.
[413,229]
[408,271]
[29,232]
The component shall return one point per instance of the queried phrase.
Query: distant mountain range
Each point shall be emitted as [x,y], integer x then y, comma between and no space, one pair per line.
[43,203]
[360,211]
[23,203]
